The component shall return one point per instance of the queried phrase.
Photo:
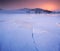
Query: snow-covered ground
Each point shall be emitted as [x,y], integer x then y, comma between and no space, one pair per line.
[29,32]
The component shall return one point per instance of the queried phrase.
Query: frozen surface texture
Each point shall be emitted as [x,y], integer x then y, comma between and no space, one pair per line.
[29,32]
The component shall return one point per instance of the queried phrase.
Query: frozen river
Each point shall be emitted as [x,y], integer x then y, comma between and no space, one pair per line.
[29,32]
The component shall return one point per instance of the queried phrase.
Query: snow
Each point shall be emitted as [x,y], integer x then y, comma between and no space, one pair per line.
[29,32]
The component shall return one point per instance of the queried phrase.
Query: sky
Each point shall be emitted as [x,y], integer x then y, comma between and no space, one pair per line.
[18,4]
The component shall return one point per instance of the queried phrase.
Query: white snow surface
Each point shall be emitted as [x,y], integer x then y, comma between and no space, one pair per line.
[29,32]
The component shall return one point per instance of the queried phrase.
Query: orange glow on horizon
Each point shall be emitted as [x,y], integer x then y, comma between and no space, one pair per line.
[49,6]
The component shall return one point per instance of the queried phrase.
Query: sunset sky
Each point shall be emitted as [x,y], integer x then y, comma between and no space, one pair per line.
[17,4]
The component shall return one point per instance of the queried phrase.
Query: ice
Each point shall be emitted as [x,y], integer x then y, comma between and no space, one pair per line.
[46,33]
[16,33]
[29,32]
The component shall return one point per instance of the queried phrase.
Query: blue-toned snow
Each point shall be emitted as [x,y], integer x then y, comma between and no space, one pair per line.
[29,32]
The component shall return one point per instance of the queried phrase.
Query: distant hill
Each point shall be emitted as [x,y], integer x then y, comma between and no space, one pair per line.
[28,11]
[36,10]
